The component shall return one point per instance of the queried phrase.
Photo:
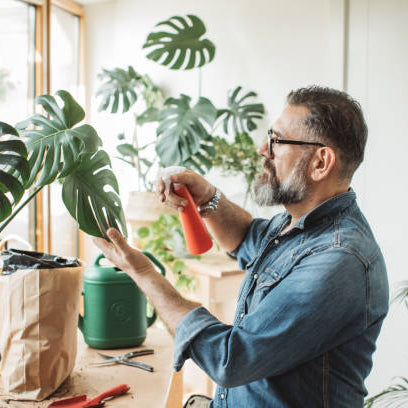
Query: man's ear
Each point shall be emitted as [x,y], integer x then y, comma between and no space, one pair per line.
[323,163]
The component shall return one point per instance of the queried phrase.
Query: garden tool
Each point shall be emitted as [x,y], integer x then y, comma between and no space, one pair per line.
[124,359]
[82,401]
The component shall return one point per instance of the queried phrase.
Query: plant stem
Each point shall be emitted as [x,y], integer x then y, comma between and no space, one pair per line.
[19,208]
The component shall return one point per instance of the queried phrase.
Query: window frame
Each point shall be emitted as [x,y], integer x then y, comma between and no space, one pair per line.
[41,235]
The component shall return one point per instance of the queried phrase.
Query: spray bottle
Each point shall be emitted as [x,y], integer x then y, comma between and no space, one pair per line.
[198,239]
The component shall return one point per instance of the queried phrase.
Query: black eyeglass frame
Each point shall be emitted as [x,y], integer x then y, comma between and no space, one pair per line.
[271,141]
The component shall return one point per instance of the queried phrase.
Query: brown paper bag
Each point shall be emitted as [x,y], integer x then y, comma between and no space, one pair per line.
[38,330]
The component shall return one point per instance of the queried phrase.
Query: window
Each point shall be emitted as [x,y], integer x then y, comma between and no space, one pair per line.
[32,64]
[17,84]
[65,74]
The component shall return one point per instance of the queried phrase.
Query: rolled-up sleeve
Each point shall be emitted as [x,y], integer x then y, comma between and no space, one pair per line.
[304,316]
[192,325]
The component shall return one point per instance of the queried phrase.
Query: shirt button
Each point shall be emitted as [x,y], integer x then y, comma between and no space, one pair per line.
[256,276]
[276,241]
[242,315]
[222,396]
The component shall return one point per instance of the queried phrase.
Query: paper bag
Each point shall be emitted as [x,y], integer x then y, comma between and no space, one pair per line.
[38,330]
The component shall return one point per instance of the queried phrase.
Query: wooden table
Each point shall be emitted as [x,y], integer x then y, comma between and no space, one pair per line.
[160,389]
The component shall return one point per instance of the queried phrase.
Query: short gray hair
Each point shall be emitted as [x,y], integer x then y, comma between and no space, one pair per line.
[337,120]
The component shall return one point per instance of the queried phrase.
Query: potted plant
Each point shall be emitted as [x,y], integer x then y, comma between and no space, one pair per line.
[126,92]
[39,307]
[186,129]
[57,150]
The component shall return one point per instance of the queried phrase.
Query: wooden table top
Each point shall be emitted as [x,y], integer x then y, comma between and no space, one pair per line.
[147,390]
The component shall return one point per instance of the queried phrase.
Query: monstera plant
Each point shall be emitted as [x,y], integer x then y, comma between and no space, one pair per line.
[50,147]
[183,132]
[120,91]
[185,129]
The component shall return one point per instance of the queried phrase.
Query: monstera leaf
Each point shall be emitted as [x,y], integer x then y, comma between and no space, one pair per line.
[119,86]
[14,169]
[55,146]
[87,197]
[172,48]
[182,129]
[239,117]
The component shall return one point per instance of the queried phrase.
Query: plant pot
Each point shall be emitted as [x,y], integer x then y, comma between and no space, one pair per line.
[38,333]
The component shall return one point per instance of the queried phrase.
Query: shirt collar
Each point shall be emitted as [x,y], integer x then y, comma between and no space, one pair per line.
[327,208]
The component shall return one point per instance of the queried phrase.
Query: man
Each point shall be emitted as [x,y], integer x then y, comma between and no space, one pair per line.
[315,291]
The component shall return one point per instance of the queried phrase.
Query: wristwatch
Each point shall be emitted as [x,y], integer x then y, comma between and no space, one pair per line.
[211,206]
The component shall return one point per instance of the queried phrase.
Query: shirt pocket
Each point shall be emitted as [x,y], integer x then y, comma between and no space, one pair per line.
[266,281]
[270,277]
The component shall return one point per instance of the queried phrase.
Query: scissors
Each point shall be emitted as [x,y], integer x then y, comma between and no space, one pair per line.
[125,359]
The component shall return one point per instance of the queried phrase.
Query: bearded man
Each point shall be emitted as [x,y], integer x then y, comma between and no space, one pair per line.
[315,292]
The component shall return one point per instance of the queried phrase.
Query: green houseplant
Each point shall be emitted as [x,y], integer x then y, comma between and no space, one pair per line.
[39,307]
[127,92]
[186,129]
[43,149]
[164,238]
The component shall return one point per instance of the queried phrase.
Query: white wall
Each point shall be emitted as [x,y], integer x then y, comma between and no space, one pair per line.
[273,46]
[377,72]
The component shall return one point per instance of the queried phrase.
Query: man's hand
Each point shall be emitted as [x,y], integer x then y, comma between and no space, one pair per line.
[121,254]
[200,189]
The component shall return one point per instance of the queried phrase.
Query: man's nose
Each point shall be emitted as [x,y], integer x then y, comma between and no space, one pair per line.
[263,150]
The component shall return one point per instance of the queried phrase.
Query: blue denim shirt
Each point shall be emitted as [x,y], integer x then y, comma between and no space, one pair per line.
[309,311]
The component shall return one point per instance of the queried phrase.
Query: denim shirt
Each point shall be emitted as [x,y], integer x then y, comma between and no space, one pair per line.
[309,311]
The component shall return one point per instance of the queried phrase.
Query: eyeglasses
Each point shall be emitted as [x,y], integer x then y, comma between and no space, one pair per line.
[272,140]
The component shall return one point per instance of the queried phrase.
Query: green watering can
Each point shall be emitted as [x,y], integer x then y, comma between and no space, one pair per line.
[114,307]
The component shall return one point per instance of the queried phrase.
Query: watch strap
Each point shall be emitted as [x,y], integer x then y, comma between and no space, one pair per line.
[211,206]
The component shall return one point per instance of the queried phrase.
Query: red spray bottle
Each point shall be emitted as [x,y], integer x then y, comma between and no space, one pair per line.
[198,239]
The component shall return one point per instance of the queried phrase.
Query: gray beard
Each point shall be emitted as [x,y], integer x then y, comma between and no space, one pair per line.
[268,191]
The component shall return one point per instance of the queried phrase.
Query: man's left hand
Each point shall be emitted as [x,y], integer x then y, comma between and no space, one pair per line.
[122,255]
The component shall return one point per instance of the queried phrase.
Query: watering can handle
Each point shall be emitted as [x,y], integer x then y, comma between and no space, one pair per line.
[98,258]
[156,262]
[148,254]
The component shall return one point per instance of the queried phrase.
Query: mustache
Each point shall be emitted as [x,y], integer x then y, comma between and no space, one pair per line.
[268,165]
